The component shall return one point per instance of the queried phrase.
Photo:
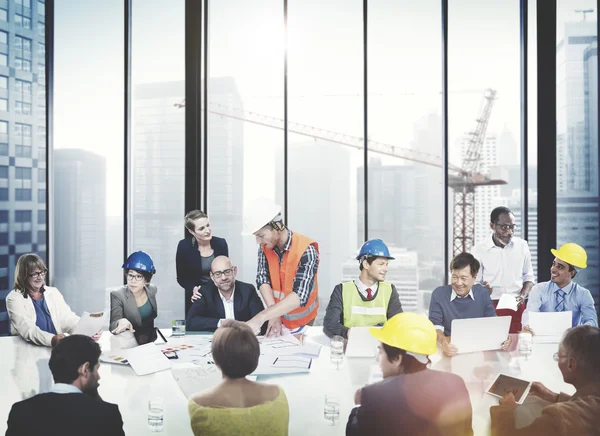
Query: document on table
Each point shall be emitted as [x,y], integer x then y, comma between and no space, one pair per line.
[197,378]
[549,327]
[280,347]
[276,365]
[508,301]
[114,356]
[89,324]
[147,359]
[480,334]
[361,343]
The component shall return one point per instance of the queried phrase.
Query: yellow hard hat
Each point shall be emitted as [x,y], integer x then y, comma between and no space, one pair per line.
[409,332]
[571,253]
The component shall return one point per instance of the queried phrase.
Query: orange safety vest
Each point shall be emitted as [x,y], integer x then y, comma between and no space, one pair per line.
[282,280]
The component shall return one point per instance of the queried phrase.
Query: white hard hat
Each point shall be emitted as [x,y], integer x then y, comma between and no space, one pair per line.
[258,214]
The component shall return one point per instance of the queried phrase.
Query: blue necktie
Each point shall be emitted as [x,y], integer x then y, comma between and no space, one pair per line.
[560,301]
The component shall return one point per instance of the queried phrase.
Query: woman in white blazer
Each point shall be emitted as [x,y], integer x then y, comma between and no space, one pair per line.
[38,313]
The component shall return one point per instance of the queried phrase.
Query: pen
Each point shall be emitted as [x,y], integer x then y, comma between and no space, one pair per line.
[161,335]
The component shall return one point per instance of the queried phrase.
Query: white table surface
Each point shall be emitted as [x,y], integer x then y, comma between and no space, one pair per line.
[24,372]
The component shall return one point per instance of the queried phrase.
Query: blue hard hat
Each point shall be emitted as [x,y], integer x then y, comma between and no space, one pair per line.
[374,247]
[140,261]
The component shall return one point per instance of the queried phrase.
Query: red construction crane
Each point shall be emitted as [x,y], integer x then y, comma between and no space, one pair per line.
[463,180]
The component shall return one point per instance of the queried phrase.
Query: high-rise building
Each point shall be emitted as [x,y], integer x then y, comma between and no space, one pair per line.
[577,146]
[79,236]
[157,182]
[22,138]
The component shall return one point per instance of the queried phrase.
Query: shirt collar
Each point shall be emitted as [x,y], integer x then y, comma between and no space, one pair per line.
[454,295]
[224,299]
[362,288]
[567,289]
[287,245]
[64,388]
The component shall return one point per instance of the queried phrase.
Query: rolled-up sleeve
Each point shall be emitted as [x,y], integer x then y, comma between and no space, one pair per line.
[304,281]
[262,270]
[527,266]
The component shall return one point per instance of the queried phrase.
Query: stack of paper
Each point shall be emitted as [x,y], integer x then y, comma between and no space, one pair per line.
[508,301]
[147,359]
[284,346]
[197,378]
[549,327]
[89,324]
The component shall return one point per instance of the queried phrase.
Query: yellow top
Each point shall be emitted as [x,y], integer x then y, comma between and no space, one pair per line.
[270,418]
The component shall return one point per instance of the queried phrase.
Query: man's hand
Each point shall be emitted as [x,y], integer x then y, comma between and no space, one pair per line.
[255,324]
[527,329]
[196,294]
[56,339]
[122,325]
[275,328]
[448,348]
[488,287]
[541,391]
[506,344]
[97,336]
[508,400]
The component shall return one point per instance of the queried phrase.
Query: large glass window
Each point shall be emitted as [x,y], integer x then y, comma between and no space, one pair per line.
[484,116]
[577,135]
[22,53]
[532,132]
[405,172]
[245,158]
[158,144]
[329,99]
[88,152]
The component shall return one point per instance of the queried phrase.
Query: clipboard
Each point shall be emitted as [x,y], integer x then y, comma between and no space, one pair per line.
[503,384]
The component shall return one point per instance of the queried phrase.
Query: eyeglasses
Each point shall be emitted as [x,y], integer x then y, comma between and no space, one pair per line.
[226,272]
[506,227]
[37,275]
[134,278]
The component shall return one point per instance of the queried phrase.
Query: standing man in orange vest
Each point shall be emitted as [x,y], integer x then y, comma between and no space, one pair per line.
[287,270]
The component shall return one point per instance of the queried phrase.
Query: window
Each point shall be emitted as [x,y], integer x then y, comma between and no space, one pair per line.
[41,237]
[3,238]
[23,237]
[41,196]
[3,217]
[23,3]
[3,104]
[3,194]
[160,139]
[22,216]
[3,48]
[41,8]
[4,261]
[23,21]
[42,72]
[3,15]
[42,51]
[23,173]
[22,194]
[22,53]
[3,172]
[22,140]
[41,217]
[41,29]
[3,82]
[41,175]
[3,38]
[22,97]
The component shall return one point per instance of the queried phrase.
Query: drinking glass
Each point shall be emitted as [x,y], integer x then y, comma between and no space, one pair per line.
[155,415]
[179,327]
[331,410]
[525,343]
[336,350]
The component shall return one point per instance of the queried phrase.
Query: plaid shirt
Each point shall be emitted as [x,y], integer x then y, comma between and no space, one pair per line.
[305,275]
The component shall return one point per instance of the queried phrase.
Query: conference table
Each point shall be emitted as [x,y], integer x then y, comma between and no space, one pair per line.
[24,372]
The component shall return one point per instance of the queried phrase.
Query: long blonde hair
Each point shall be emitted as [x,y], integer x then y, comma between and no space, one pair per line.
[26,264]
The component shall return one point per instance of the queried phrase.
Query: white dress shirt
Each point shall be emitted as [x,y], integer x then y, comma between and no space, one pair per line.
[228,306]
[508,267]
[362,288]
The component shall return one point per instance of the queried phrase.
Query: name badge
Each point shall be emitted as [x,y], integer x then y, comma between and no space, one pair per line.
[360,310]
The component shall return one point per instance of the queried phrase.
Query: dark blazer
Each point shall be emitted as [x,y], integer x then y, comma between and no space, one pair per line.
[425,403]
[65,415]
[206,312]
[123,305]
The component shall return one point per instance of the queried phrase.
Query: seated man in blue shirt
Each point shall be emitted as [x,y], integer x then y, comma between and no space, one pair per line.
[462,300]
[561,293]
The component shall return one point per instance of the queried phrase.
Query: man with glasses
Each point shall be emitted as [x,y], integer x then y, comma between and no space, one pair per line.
[223,298]
[578,361]
[505,264]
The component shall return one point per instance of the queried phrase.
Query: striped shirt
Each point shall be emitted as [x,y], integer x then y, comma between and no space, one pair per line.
[305,275]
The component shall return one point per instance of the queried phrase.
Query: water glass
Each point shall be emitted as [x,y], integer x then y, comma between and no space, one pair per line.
[331,411]
[336,350]
[525,343]
[179,327]
[155,415]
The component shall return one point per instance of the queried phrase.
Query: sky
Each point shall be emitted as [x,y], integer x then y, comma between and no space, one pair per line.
[325,69]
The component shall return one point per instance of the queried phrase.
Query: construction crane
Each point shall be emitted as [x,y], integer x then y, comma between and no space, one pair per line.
[463,180]
[584,12]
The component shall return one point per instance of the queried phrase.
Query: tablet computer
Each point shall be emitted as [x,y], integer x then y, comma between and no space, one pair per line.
[504,384]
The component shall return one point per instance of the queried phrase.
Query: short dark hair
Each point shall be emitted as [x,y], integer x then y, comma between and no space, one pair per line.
[147,275]
[495,215]
[235,349]
[369,260]
[461,261]
[582,343]
[69,354]
[409,363]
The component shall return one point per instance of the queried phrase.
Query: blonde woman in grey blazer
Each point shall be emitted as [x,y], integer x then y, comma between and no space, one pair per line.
[133,307]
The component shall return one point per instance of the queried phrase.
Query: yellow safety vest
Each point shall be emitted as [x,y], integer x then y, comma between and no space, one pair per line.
[360,313]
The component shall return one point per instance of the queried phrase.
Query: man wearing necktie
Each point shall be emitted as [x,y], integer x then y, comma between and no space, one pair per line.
[561,293]
[366,301]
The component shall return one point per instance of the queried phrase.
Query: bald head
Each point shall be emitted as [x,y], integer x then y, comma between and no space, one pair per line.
[220,263]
